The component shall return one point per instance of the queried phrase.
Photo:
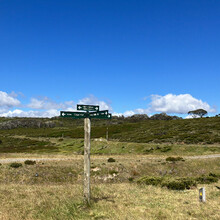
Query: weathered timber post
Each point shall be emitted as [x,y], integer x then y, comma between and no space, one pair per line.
[87,131]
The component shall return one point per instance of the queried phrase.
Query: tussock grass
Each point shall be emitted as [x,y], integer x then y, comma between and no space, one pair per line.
[109,201]
[56,193]
[70,170]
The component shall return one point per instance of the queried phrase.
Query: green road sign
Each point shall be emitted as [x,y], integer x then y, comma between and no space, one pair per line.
[101,115]
[88,107]
[73,114]
[98,113]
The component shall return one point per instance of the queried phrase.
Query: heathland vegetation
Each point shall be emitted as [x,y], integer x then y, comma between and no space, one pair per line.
[140,129]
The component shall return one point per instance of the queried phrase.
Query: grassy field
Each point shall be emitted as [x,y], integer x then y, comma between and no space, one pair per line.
[110,201]
[66,146]
[156,170]
[56,191]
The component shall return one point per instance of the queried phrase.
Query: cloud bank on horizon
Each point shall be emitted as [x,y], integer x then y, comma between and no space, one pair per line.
[11,106]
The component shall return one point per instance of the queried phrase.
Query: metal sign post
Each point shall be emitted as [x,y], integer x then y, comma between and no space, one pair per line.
[95,113]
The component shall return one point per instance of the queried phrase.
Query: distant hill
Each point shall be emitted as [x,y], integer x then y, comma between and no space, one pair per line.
[26,123]
[137,128]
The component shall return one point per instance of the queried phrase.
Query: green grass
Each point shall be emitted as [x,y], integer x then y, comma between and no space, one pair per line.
[25,145]
[43,145]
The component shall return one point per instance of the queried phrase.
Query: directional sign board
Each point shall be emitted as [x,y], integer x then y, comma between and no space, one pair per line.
[100,114]
[88,107]
[73,114]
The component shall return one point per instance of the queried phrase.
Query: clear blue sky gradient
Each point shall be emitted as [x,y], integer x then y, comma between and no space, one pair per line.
[120,50]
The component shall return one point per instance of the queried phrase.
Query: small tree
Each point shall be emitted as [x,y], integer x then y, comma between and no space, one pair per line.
[198,112]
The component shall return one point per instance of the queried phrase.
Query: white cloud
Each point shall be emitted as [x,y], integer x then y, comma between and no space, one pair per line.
[141,111]
[128,113]
[92,100]
[170,103]
[131,112]
[45,107]
[117,114]
[7,101]
[31,113]
[192,116]
[179,104]
[3,110]
[46,103]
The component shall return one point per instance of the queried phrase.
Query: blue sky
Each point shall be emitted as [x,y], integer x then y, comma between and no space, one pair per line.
[128,56]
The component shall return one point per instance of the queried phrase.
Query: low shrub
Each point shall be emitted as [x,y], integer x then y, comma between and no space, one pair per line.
[0,141]
[207,179]
[158,147]
[179,184]
[148,150]
[131,179]
[15,165]
[29,162]
[214,175]
[165,149]
[189,182]
[174,184]
[150,180]
[111,160]
[174,159]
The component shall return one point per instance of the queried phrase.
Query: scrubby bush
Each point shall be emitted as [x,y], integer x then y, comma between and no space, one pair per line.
[29,162]
[150,180]
[207,179]
[215,175]
[174,159]
[179,184]
[131,179]
[148,150]
[111,160]
[15,165]
[165,149]
[0,141]
[174,184]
